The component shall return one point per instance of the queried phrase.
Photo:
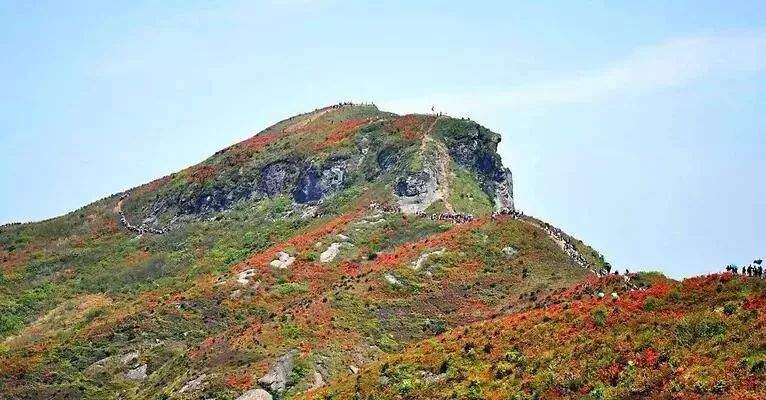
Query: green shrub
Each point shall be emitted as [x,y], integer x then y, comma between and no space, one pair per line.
[599,315]
[406,385]
[652,303]
[514,357]
[695,328]
[287,288]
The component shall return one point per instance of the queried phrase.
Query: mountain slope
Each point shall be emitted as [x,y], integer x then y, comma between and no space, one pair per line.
[283,262]
[701,338]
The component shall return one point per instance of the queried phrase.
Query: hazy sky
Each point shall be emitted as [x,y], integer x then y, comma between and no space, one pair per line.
[640,129]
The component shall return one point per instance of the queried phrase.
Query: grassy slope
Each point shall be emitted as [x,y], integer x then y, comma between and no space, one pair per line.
[701,338]
[78,291]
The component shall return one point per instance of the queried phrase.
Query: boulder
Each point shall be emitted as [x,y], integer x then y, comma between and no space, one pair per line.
[332,251]
[509,251]
[193,384]
[279,375]
[136,374]
[130,358]
[418,264]
[318,380]
[243,278]
[390,278]
[283,260]
[255,394]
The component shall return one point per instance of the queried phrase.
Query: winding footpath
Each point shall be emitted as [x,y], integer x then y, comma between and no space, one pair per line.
[124,221]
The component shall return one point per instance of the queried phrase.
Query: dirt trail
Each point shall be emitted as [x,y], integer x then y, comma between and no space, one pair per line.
[442,167]
[309,119]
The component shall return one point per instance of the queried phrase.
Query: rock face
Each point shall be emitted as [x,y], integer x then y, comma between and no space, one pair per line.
[504,192]
[278,177]
[416,191]
[275,381]
[387,158]
[419,171]
[316,183]
[474,147]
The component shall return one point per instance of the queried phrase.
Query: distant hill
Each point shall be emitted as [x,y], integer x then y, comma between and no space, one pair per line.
[302,260]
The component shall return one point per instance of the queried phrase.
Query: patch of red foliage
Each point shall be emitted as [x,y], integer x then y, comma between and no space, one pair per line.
[351,268]
[611,373]
[341,131]
[10,261]
[410,126]
[757,302]
[705,281]
[242,381]
[260,140]
[649,357]
[202,173]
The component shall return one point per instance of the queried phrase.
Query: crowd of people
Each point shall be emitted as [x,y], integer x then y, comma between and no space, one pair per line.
[386,208]
[349,103]
[507,211]
[342,104]
[456,218]
[564,241]
[754,269]
[138,229]
[566,244]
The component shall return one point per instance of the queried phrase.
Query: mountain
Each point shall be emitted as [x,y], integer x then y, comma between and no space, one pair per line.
[306,261]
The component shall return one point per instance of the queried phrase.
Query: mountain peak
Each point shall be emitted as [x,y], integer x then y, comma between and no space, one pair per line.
[419,163]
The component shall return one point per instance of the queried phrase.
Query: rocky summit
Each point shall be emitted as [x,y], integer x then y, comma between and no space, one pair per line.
[351,253]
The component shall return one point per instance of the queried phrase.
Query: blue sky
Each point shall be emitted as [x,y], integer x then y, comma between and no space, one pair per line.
[639,128]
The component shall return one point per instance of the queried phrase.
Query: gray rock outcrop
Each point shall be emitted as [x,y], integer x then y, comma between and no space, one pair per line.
[316,183]
[416,191]
[136,374]
[278,177]
[276,380]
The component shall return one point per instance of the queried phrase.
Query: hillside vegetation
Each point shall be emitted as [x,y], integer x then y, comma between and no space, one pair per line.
[323,256]
[701,338]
